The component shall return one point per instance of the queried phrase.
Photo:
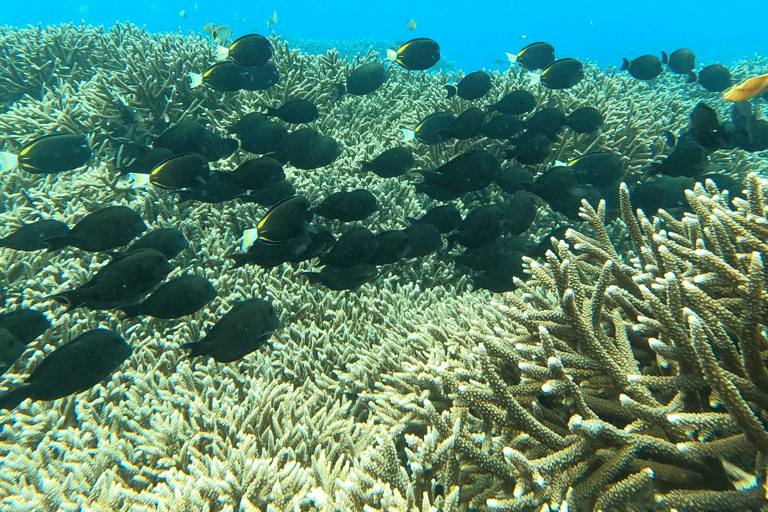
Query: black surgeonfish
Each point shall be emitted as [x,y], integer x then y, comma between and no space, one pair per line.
[516,102]
[391,163]
[532,150]
[285,221]
[445,218]
[176,298]
[52,153]
[227,76]
[250,50]
[645,67]
[217,187]
[268,256]
[467,125]
[122,281]
[688,159]
[72,368]
[29,237]
[343,278]
[536,56]
[391,246]
[598,168]
[193,137]
[585,120]
[146,162]
[271,195]
[295,112]
[681,62]
[715,78]
[258,134]
[17,330]
[706,130]
[169,241]
[469,171]
[180,171]
[355,246]
[473,86]
[512,179]
[562,74]
[348,206]
[480,227]
[424,240]
[308,149]
[102,230]
[503,126]
[242,330]
[365,79]
[547,121]
[258,173]
[431,129]
[416,54]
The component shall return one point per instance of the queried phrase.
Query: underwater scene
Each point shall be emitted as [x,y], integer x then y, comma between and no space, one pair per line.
[275,265]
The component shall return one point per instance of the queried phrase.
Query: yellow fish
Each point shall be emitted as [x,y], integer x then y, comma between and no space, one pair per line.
[748,89]
[411,24]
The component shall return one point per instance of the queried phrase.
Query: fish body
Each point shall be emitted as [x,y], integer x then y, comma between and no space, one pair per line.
[122,281]
[176,298]
[180,171]
[445,218]
[271,195]
[417,54]
[29,237]
[391,246]
[502,126]
[268,256]
[512,179]
[227,76]
[169,241]
[215,188]
[547,121]
[598,168]
[308,149]
[261,78]
[285,221]
[715,78]
[146,162]
[295,112]
[473,86]
[533,150]
[102,230]
[258,173]
[344,278]
[355,246]
[431,129]
[366,79]
[467,125]
[258,134]
[680,62]
[748,89]
[480,227]
[242,330]
[72,368]
[424,239]
[536,56]
[194,137]
[348,206]
[411,24]
[250,50]
[52,153]
[585,120]
[391,163]
[645,67]
[562,74]
[515,103]
[17,330]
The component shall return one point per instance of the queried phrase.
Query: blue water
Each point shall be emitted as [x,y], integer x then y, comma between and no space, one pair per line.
[472,34]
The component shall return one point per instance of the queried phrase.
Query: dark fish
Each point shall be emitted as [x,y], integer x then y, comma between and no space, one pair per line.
[545,244]
[424,240]
[271,195]
[55,152]
[688,159]
[355,246]
[122,281]
[519,213]
[102,230]
[585,120]
[180,171]
[226,76]
[344,278]
[145,163]
[532,151]
[669,138]
[706,130]
[512,179]
[72,368]
[502,126]
[169,241]
[416,54]
[250,50]
[480,227]
[258,173]
[366,79]
[473,86]
[348,206]
[432,188]
[516,102]
[242,330]
[215,188]
[258,134]
[547,121]
[562,74]
[431,129]
[261,78]
[391,163]
[193,137]
[392,246]
[285,221]
[715,78]
[176,298]
[29,237]
[17,330]
[536,56]
[445,218]
[756,139]
[501,278]
[268,256]
[598,168]
[471,170]
[680,62]
[295,112]
[308,149]
[553,182]
[645,67]
[467,125]
[662,192]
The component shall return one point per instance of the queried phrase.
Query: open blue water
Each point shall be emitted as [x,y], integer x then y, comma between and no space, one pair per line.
[471,34]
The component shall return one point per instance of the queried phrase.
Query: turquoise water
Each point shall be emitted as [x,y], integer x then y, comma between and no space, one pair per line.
[472,35]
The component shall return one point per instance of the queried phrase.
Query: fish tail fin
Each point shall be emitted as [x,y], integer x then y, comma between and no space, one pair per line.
[451,90]
[14,397]
[624,64]
[366,166]
[408,134]
[692,77]
[195,349]
[222,52]
[341,90]
[70,298]
[8,161]
[195,80]
[58,242]
[249,238]
[271,112]
[240,260]
[664,58]
[392,55]
[138,180]
[511,57]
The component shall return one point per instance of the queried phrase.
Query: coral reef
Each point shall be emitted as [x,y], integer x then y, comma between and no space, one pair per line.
[627,374]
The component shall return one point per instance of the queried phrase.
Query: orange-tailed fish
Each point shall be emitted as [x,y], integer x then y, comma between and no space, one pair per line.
[748,89]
